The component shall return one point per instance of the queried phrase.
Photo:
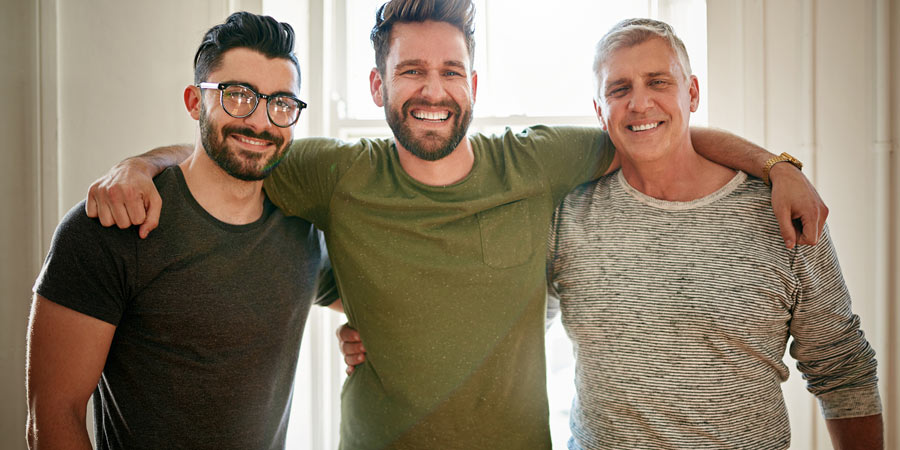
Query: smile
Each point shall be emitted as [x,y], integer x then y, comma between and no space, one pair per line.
[250,141]
[645,127]
[431,116]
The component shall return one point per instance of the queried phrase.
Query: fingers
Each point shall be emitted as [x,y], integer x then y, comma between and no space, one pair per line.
[813,226]
[347,334]
[154,208]
[807,231]
[354,352]
[786,226]
[104,214]
[125,197]
[90,206]
[351,346]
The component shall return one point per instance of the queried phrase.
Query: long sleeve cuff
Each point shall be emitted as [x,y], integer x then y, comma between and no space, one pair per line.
[846,403]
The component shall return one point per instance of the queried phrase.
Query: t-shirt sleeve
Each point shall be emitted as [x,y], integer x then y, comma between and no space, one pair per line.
[89,268]
[570,155]
[304,181]
[829,346]
[327,290]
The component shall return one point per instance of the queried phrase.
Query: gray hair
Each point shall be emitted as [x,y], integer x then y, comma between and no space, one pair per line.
[631,32]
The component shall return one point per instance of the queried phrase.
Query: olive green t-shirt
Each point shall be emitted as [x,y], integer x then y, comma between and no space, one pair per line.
[446,285]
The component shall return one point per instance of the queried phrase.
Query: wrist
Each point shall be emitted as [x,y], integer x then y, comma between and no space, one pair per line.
[773,167]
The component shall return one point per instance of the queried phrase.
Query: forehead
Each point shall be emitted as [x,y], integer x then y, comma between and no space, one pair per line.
[428,41]
[651,56]
[252,67]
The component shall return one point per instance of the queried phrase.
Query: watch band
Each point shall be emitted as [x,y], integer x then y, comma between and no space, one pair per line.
[784,157]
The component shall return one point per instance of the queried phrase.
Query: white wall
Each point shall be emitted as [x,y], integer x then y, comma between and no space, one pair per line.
[803,77]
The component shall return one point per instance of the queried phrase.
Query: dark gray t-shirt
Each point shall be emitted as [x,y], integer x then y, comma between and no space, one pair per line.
[209,319]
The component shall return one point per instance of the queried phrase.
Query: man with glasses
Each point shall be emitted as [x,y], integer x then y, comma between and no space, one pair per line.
[189,338]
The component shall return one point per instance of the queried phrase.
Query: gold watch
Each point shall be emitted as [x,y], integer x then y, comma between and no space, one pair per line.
[784,157]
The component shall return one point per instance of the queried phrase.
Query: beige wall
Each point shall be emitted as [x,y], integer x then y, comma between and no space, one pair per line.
[19,258]
[803,77]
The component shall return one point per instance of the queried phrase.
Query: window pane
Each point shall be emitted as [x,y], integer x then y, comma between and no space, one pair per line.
[533,57]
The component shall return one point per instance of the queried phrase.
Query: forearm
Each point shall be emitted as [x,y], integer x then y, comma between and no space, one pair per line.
[158,159]
[57,428]
[857,433]
[730,150]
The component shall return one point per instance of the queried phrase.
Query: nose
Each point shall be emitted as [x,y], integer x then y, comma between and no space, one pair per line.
[259,120]
[641,99]
[433,87]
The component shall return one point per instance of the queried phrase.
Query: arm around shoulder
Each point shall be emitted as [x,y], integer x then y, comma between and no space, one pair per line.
[800,211]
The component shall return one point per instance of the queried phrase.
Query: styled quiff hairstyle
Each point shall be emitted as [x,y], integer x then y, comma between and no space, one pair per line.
[631,32]
[459,13]
[263,34]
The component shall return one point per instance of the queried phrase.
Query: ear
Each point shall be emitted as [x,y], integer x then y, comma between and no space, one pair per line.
[599,110]
[375,86]
[474,85]
[694,91]
[192,101]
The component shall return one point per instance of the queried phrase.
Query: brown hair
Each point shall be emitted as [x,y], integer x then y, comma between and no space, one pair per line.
[459,13]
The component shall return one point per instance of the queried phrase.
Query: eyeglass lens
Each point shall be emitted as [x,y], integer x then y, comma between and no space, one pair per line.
[240,101]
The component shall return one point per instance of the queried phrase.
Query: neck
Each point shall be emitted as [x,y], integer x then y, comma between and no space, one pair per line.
[224,197]
[677,176]
[443,172]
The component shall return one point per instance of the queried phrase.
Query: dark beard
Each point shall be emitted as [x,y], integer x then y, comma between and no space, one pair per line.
[430,147]
[227,159]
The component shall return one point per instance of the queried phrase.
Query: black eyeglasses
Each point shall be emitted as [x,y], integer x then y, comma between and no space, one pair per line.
[240,101]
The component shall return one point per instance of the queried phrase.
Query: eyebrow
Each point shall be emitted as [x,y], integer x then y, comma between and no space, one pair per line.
[621,81]
[255,88]
[421,62]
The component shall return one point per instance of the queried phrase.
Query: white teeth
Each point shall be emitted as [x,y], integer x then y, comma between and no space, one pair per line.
[426,115]
[644,127]
[250,141]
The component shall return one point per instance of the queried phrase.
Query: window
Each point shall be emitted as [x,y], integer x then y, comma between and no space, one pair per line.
[533,59]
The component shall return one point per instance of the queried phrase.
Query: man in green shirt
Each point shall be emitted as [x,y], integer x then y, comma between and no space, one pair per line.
[438,239]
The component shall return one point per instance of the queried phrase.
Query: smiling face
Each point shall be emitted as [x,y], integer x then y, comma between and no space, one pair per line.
[246,148]
[645,101]
[428,88]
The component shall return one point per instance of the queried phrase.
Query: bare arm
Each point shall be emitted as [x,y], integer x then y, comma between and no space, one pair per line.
[800,211]
[857,433]
[65,354]
[126,196]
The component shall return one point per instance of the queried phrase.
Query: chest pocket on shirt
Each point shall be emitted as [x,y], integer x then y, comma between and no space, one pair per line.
[506,235]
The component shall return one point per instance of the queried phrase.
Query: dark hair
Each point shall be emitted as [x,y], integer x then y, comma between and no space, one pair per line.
[244,30]
[459,13]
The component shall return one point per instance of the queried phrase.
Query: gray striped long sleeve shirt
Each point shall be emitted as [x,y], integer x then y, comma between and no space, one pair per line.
[680,312]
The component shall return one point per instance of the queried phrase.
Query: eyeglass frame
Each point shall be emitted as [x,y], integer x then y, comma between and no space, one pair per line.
[222,86]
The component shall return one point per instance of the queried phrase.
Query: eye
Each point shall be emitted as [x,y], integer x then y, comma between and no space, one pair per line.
[238,94]
[410,72]
[659,83]
[618,92]
[452,73]
[285,103]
